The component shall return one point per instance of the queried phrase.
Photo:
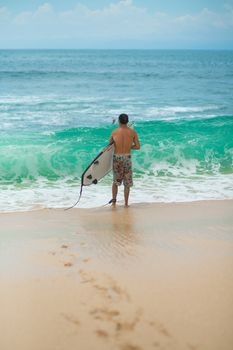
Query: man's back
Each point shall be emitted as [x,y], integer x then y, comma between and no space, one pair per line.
[125,139]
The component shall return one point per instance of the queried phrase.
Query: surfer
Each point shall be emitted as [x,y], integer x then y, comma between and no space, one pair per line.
[125,139]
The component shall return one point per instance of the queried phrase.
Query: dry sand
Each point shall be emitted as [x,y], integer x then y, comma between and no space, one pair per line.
[156,276]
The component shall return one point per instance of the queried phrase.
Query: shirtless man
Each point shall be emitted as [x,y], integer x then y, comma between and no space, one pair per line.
[124,139]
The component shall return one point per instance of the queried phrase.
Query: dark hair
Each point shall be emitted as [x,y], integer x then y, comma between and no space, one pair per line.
[123,118]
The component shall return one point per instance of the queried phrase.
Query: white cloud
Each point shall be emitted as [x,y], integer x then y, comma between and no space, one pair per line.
[4,14]
[117,21]
[45,8]
[206,18]
[22,18]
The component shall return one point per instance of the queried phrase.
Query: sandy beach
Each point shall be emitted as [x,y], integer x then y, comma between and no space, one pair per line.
[153,276]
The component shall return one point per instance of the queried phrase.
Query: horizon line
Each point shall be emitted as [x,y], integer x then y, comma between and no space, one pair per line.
[123,49]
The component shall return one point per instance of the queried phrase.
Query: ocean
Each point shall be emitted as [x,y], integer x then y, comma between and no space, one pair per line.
[57,109]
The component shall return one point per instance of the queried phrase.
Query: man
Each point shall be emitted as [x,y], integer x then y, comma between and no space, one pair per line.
[125,139]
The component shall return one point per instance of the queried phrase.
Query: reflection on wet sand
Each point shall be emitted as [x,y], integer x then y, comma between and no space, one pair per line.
[112,233]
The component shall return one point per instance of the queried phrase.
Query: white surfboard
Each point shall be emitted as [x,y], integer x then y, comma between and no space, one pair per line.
[99,167]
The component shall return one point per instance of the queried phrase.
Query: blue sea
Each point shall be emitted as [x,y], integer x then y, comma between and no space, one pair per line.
[57,109]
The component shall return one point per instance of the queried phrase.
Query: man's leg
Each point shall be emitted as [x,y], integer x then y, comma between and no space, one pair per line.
[126,195]
[128,178]
[114,193]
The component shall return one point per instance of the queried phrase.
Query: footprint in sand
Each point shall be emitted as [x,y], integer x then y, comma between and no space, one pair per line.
[160,328]
[101,333]
[106,285]
[71,319]
[130,347]
[52,253]
[121,324]
[104,314]
[119,312]
[64,246]
[68,264]
[86,277]
[129,326]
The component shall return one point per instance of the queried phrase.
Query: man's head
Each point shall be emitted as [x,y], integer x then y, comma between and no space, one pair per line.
[123,119]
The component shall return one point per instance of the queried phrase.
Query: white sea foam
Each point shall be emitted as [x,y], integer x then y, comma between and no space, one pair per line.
[148,189]
[52,98]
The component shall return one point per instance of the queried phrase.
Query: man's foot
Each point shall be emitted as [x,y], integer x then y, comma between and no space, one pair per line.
[126,205]
[113,201]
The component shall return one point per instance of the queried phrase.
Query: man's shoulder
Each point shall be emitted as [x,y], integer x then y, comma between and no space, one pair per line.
[133,132]
[115,131]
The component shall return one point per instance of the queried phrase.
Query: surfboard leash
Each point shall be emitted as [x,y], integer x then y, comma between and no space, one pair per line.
[80,195]
[110,202]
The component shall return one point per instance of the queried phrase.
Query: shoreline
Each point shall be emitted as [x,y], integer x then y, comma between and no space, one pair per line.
[120,203]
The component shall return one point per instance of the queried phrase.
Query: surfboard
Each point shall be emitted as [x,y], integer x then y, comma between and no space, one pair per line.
[99,167]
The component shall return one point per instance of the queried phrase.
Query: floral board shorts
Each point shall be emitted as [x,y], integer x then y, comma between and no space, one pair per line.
[122,170]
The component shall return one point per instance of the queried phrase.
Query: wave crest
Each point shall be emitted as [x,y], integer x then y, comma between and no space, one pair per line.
[187,148]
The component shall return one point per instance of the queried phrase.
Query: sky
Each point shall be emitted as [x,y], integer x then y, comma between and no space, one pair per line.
[116,24]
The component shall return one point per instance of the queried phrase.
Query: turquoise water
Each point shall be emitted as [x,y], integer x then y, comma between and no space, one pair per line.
[57,109]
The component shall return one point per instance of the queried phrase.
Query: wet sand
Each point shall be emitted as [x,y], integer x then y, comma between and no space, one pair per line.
[153,276]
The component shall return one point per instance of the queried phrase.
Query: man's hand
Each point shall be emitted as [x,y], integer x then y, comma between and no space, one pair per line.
[136,142]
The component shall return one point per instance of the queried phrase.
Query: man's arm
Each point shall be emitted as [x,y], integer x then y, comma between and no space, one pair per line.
[111,138]
[136,142]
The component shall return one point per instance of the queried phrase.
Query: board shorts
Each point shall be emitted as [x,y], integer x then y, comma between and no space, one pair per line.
[122,170]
